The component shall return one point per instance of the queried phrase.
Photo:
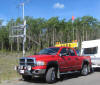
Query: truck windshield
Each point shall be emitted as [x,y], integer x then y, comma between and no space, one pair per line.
[49,51]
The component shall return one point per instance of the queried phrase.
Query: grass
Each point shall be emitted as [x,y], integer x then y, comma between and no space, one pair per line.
[7,63]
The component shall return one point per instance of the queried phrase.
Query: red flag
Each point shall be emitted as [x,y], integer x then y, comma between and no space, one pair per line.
[72,18]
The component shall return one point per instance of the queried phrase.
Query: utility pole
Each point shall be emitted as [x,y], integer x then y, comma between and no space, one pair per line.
[21,28]
[24,35]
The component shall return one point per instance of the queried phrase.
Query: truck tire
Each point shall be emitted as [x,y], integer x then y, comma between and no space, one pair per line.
[84,70]
[51,75]
[26,77]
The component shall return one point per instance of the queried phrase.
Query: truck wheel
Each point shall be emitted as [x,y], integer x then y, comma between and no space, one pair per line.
[51,75]
[26,77]
[84,70]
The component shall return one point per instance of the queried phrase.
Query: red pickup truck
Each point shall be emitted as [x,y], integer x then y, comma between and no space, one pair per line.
[51,62]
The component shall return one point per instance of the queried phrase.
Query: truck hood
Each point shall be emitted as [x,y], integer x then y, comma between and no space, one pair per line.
[43,57]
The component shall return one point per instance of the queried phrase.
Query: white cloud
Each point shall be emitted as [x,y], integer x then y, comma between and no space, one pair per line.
[58,5]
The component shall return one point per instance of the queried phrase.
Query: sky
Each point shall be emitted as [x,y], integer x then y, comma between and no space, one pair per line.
[49,8]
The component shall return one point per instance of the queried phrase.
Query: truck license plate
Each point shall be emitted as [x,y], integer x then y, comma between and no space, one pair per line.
[22,71]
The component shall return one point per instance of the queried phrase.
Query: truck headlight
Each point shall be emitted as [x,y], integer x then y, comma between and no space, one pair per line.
[40,63]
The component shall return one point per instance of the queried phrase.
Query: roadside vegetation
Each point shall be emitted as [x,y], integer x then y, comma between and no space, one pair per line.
[8,61]
[43,33]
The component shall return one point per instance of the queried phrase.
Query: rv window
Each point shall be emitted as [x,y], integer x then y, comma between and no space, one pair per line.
[90,50]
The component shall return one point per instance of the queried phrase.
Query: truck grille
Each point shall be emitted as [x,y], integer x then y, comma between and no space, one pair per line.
[27,61]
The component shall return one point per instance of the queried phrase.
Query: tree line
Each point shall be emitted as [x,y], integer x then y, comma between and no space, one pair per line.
[43,33]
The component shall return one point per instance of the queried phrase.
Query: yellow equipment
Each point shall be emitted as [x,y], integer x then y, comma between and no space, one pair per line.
[74,44]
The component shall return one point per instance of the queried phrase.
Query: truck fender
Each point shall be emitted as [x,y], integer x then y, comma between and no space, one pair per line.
[86,62]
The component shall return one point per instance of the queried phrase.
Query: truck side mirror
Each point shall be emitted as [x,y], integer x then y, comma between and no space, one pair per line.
[61,55]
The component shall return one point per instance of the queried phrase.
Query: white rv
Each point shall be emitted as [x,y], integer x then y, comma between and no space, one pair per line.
[92,48]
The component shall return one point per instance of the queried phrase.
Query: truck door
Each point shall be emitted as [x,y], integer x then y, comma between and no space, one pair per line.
[75,61]
[64,60]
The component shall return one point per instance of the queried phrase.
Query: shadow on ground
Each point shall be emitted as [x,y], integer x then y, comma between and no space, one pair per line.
[63,77]
[97,70]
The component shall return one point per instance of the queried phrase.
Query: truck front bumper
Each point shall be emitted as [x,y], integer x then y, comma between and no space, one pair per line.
[32,72]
